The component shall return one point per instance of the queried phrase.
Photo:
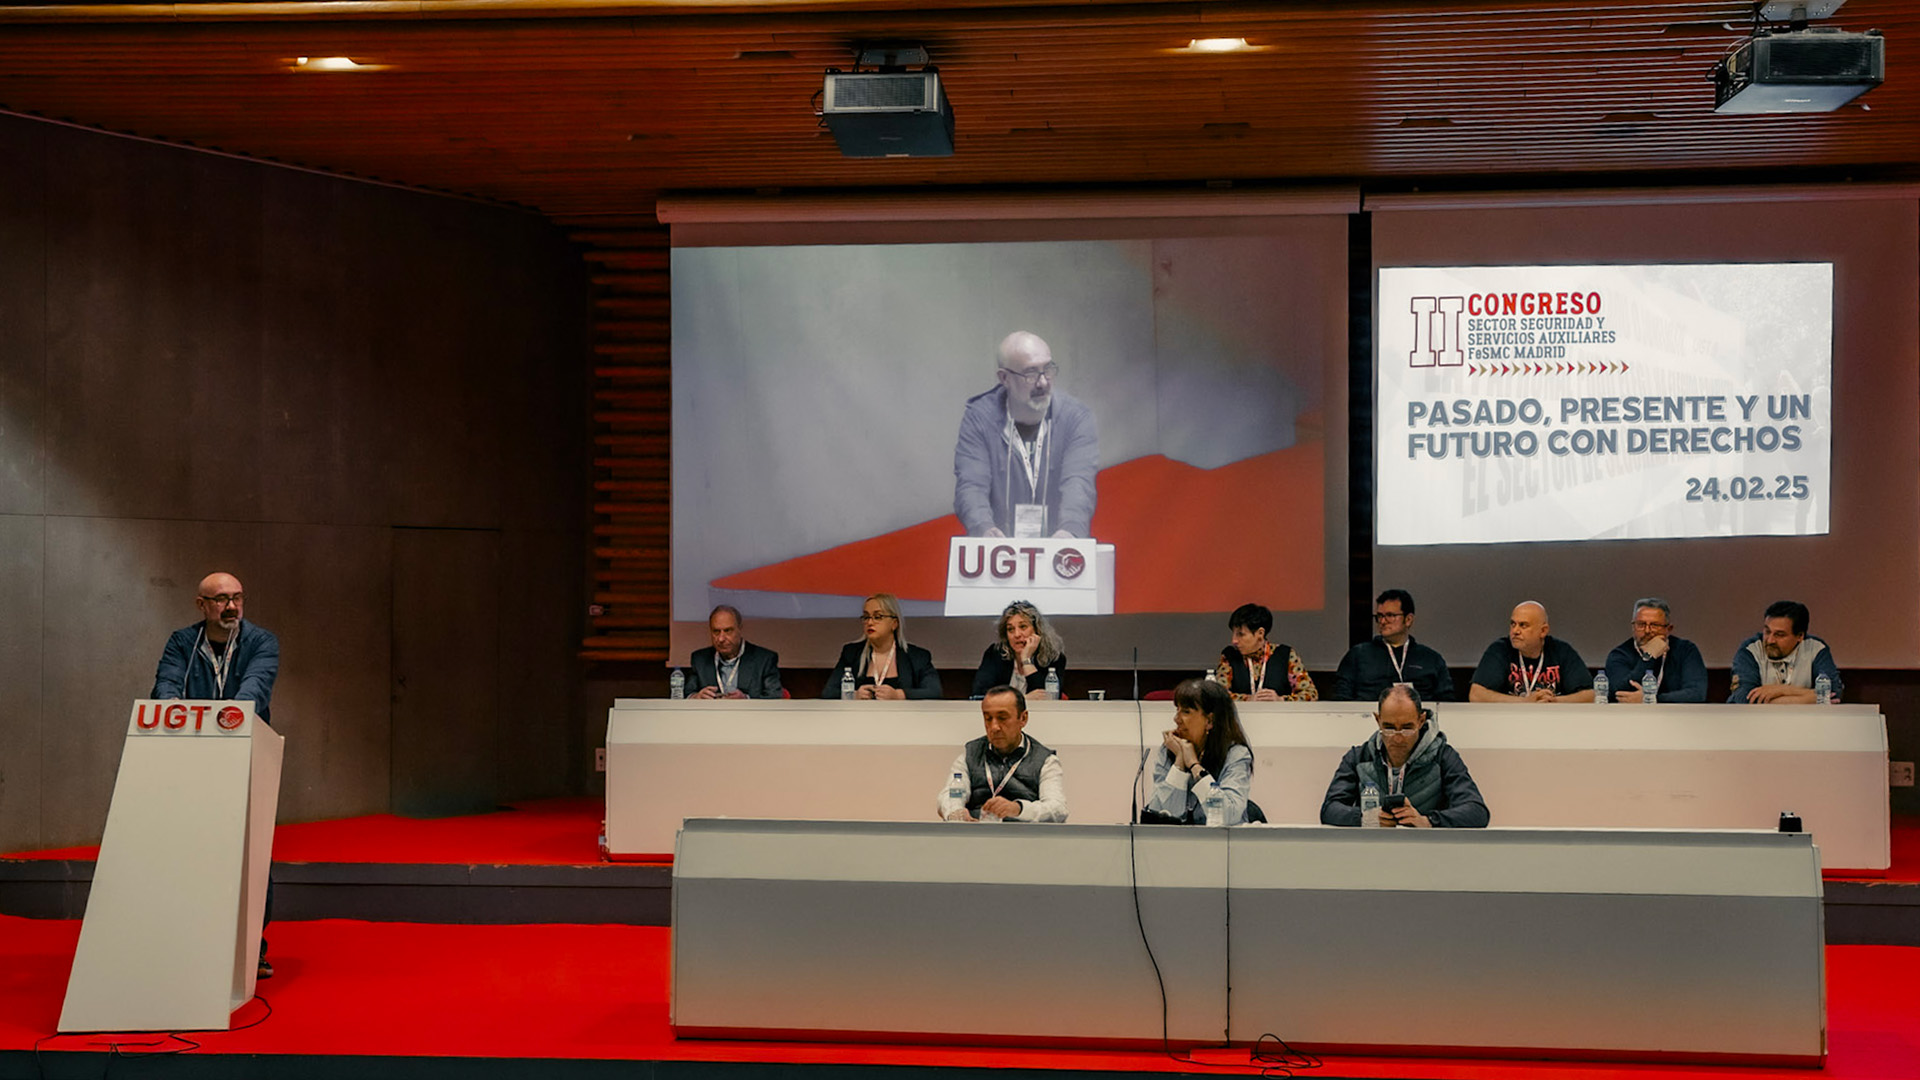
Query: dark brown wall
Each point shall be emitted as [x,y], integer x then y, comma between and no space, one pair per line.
[317,384]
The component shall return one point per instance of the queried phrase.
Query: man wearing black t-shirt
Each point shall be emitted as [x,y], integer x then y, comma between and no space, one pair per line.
[1529,664]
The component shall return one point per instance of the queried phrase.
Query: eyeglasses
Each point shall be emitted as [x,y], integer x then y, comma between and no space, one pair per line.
[1403,732]
[1650,626]
[874,616]
[223,599]
[1032,376]
[1388,616]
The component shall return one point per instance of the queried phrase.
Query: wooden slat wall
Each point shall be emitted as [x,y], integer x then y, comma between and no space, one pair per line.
[632,414]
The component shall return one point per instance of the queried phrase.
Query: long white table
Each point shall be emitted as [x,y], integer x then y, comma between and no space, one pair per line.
[1637,944]
[1556,766]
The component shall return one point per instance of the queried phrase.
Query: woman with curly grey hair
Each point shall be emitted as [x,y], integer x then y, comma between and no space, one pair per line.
[1028,646]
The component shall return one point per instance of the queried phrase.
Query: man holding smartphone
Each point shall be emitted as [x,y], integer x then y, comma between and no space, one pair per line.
[1423,783]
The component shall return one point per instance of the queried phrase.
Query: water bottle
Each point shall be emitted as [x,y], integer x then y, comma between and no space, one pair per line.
[846,684]
[1602,694]
[1823,690]
[1053,684]
[1650,688]
[1210,675]
[957,789]
[1215,805]
[677,684]
[1369,803]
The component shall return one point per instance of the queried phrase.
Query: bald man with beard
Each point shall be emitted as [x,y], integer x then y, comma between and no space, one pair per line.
[1530,664]
[1027,453]
[223,657]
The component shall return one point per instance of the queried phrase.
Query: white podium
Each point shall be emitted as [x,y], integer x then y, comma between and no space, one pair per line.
[171,938]
[1064,577]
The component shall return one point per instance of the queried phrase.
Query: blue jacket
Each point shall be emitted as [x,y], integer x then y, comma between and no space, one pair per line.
[1685,678]
[186,672]
[987,484]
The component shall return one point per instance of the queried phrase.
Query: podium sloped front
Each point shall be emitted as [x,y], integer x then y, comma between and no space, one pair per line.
[171,936]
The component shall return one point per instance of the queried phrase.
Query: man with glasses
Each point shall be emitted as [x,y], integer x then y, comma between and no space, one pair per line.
[1422,782]
[222,657]
[1392,656]
[1027,454]
[1674,662]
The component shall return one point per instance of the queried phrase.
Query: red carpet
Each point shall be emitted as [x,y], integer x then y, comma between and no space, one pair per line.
[1275,503]
[546,832]
[353,988]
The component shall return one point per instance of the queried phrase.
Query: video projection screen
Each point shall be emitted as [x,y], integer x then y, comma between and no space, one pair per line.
[1711,402]
[1532,403]
[823,447]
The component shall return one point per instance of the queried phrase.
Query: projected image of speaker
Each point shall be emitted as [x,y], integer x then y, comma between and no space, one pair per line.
[1805,71]
[888,114]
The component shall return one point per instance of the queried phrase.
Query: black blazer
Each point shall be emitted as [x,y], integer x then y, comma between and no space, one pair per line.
[758,674]
[913,671]
[996,669]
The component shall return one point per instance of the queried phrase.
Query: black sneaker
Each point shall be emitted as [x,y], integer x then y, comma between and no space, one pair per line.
[266,969]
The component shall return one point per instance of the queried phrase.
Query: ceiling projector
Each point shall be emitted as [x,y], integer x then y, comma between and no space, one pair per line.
[1799,71]
[875,114]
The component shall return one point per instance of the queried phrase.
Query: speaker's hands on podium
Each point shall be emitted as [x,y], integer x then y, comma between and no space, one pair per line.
[1001,807]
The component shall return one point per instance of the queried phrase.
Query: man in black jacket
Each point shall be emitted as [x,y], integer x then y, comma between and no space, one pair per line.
[1392,656]
[1406,756]
[731,667]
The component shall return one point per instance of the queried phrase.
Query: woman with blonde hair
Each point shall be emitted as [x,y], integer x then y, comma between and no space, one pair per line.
[884,666]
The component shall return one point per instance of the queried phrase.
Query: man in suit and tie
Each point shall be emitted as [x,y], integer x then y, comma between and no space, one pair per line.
[732,668]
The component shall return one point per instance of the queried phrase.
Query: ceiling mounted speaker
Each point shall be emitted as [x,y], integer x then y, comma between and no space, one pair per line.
[888,114]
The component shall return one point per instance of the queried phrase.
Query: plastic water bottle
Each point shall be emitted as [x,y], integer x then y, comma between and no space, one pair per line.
[1215,805]
[1823,690]
[1369,803]
[677,684]
[1210,675]
[846,684]
[1053,684]
[1650,688]
[1602,694]
[957,788]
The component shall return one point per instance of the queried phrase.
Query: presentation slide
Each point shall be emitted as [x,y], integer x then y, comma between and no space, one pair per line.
[842,413]
[1539,403]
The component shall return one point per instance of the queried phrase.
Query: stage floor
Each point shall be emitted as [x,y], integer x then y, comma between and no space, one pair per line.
[564,993]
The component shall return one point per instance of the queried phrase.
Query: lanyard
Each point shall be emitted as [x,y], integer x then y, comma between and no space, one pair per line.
[1397,779]
[1538,670]
[881,672]
[222,663]
[1029,461]
[732,667]
[1399,662]
[994,792]
[1258,679]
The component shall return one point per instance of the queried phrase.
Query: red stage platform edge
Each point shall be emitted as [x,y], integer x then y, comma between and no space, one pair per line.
[600,992]
[564,832]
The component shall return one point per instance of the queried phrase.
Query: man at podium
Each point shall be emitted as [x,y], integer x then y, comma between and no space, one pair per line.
[222,657]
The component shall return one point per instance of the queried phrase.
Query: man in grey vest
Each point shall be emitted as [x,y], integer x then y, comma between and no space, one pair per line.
[1005,774]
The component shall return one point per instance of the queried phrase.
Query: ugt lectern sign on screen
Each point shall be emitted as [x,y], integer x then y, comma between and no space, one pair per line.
[1529,403]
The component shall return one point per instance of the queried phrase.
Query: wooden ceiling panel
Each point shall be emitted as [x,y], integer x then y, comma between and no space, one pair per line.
[578,116]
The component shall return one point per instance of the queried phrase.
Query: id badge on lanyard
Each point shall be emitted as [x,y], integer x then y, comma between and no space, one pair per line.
[1029,518]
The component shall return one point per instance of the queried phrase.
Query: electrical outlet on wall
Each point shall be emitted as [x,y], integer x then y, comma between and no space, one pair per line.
[600,760]
[1899,774]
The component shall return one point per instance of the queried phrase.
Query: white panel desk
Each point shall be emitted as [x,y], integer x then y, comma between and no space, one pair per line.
[1580,943]
[1557,766]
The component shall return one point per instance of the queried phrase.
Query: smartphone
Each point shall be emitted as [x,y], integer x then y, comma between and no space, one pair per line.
[1393,802]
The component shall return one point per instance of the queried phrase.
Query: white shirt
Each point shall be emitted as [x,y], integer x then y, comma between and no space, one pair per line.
[1050,806]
